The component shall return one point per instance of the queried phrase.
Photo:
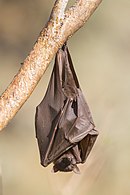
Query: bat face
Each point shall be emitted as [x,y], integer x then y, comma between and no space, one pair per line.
[64,126]
[66,163]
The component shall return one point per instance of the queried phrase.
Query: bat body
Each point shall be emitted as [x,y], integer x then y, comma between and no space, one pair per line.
[64,126]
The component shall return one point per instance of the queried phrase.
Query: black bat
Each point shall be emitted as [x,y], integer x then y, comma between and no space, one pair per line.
[64,126]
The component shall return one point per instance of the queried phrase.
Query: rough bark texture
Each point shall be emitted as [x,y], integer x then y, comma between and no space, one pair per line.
[61,25]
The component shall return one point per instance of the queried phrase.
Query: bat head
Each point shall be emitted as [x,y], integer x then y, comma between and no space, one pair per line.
[66,163]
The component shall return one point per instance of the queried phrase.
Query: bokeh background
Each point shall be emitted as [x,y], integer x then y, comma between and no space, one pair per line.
[101,55]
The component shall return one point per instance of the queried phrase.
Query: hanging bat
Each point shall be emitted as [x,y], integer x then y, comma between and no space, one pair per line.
[64,126]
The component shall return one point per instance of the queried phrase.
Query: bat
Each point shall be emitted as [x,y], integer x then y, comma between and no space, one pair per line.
[65,130]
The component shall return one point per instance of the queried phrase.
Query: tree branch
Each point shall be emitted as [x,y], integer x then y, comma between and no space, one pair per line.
[61,25]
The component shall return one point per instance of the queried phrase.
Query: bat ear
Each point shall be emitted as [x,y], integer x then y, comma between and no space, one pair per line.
[54,170]
[76,169]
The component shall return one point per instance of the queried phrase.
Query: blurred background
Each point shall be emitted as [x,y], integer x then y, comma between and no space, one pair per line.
[101,55]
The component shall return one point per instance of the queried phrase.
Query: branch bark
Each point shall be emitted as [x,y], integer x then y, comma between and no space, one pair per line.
[61,25]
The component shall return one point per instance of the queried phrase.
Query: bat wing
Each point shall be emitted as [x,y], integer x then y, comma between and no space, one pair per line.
[48,111]
[75,126]
[63,118]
